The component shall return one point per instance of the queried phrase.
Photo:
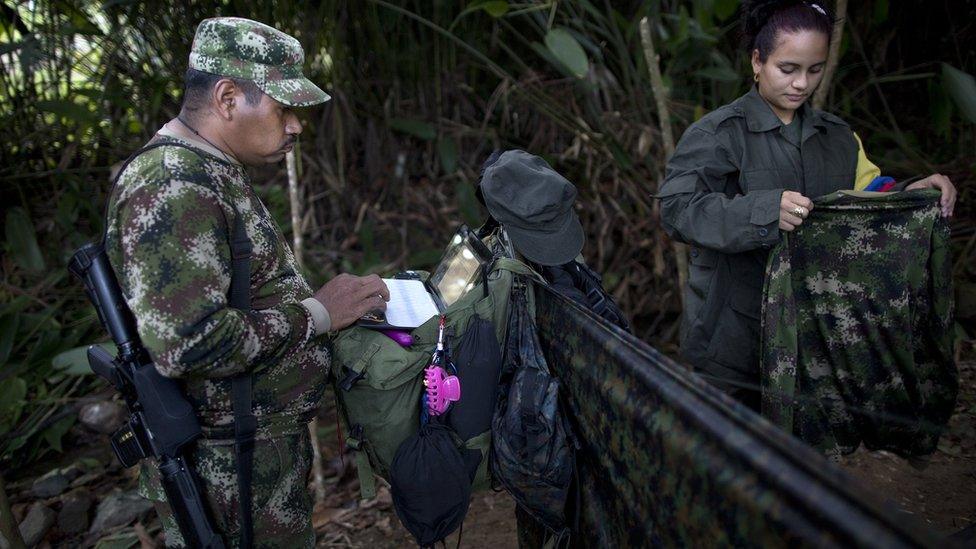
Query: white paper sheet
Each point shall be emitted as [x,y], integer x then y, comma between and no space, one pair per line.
[410,304]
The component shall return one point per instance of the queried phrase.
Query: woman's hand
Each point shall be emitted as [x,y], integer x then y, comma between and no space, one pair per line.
[793,209]
[941,182]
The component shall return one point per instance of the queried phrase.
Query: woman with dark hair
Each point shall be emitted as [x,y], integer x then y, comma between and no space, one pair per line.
[746,171]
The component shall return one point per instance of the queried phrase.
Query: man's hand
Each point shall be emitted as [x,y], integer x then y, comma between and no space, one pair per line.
[793,209]
[941,182]
[348,297]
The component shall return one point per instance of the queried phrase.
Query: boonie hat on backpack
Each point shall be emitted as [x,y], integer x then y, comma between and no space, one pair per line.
[535,205]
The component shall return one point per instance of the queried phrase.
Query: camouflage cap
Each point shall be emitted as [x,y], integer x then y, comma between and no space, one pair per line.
[242,48]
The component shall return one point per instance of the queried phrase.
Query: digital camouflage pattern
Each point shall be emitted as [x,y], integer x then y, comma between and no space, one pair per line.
[532,446]
[242,48]
[668,460]
[282,506]
[857,325]
[169,225]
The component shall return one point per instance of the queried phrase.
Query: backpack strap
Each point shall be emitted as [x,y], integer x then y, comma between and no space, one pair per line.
[245,424]
[517,267]
[364,469]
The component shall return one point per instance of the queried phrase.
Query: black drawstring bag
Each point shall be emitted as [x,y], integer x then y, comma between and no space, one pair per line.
[532,453]
[430,484]
[479,360]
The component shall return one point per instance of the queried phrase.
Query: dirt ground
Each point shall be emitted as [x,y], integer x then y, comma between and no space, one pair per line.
[939,491]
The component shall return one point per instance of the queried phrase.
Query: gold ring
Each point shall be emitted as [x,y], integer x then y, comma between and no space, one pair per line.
[798,211]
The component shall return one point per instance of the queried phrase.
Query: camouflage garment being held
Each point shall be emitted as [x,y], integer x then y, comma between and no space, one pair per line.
[857,325]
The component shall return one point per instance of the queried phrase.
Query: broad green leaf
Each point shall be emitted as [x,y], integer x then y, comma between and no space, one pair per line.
[880,14]
[67,211]
[468,205]
[8,332]
[725,8]
[54,433]
[447,151]
[416,128]
[962,88]
[73,362]
[940,110]
[45,345]
[13,393]
[494,8]
[22,240]
[684,25]
[568,51]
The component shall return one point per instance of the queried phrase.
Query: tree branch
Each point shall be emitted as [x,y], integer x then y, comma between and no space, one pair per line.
[833,56]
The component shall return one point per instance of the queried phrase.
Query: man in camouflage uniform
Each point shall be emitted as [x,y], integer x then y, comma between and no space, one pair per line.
[168,239]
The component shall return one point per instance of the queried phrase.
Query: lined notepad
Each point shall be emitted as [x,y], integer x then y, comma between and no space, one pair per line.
[410,304]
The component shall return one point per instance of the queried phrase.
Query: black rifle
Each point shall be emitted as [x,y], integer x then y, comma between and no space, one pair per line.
[161,421]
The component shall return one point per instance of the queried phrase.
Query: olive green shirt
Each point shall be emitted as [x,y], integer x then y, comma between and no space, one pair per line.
[721,195]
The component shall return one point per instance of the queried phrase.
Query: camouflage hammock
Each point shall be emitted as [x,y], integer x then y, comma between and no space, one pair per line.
[857,325]
[667,460]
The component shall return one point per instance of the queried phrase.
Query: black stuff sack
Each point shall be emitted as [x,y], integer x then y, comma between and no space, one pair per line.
[532,454]
[429,483]
[479,360]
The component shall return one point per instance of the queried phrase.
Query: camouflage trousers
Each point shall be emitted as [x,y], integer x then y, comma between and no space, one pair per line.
[281,503]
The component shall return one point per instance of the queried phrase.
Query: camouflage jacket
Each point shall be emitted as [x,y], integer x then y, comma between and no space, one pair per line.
[857,325]
[168,239]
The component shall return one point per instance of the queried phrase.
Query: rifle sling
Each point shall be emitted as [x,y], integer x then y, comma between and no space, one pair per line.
[245,424]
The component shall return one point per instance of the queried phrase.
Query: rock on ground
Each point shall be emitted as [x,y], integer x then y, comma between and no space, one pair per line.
[37,522]
[51,484]
[119,509]
[73,517]
[102,417]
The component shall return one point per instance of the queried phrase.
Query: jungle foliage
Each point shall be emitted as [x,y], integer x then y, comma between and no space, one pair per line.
[422,92]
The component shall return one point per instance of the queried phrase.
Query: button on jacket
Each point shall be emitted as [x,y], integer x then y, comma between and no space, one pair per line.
[721,195]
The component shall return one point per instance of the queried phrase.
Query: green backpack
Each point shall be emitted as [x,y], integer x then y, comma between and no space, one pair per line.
[378,384]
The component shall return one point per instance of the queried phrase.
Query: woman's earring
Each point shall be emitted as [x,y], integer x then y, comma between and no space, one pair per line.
[755,77]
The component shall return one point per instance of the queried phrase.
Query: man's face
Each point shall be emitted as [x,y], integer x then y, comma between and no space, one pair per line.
[262,133]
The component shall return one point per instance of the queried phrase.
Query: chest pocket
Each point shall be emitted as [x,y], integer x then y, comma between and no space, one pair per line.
[768,178]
